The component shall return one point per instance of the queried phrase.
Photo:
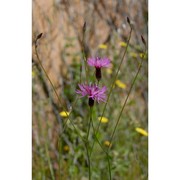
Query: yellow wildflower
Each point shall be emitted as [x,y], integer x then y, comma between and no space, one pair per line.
[107,143]
[142,55]
[142,131]
[103,119]
[64,114]
[123,44]
[102,46]
[66,148]
[109,71]
[133,54]
[33,74]
[120,84]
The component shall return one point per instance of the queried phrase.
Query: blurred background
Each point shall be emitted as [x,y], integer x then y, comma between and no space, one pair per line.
[60,50]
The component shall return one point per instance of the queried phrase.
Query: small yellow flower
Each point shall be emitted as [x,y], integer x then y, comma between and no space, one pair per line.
[66,148]
[123,44]
[33,74]
[107,143]
[109,71]
[142,131]
[64,114]
[103,119]
[102,46]
[133,54]
[120,84]
[142,55]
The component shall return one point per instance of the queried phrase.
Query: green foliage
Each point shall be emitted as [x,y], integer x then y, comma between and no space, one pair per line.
[59,154]
[129,151]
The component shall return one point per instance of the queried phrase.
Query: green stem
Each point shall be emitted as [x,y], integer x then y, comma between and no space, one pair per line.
[87,143]
[107,155]
[114,80]
[140,65]
[89,163]
[80,76]
[60,155]
[84,56]
[85,64]
[89,126]
[59,100]
[49,162]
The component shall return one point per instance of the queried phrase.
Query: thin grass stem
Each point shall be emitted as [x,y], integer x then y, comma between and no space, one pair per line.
[49,162]
[107,155]
[59,100]
[87,143]
[112,85]
[83,52]
[89,163]
[132,84]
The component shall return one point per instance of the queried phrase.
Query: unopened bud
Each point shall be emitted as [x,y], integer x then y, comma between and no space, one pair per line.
[84,27]
[128,20]
[98,73]
[143,40]
[39,36]
[91,102]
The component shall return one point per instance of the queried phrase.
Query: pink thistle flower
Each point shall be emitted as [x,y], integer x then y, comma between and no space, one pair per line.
[93,92]
[98,63]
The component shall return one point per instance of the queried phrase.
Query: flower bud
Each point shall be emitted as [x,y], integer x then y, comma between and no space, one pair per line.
[98,73]
[143,40]
[91,102]
[128,20]
[39,36]
[84,27]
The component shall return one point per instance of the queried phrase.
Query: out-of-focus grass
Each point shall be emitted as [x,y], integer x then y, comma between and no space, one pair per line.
[64,157]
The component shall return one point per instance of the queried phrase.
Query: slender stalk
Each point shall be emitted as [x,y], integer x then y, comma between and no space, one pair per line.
[139,68]
[98,83]
[83,52]
[140,65]
[60,156]
[98,140]
[89,126]
[107,155]
[85,64]
[89,163]
[40,63]
[59,100]
[114,80]
[80,76]
[65,124]
[48,157]
[39,146]
[72,107]
[87,144]
[49,162]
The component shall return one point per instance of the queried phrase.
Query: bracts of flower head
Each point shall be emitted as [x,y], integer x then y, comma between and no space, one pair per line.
[98,63]
[93,92]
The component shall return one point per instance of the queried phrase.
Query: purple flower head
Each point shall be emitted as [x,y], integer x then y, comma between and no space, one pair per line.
[93,92]
[99,62]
